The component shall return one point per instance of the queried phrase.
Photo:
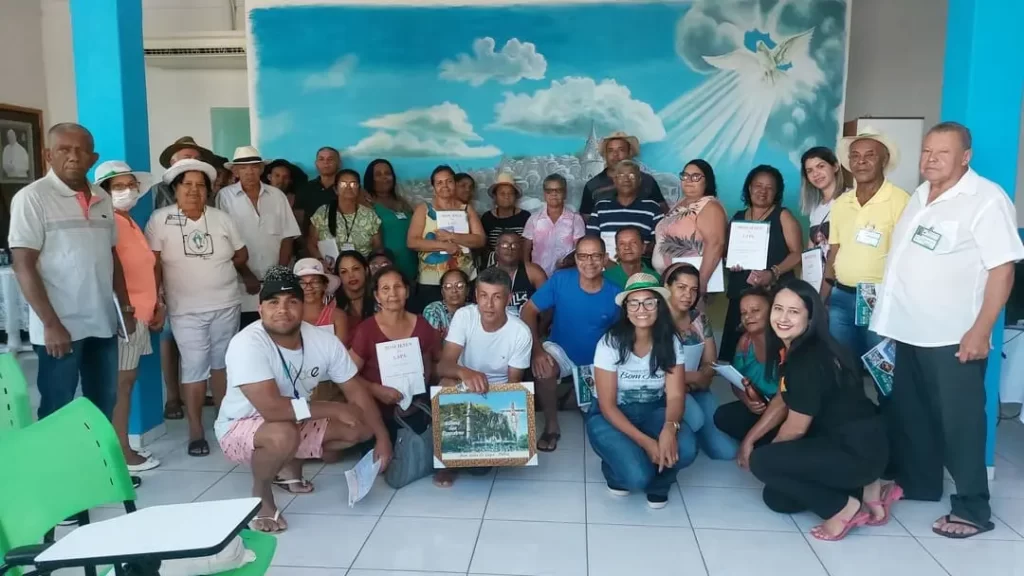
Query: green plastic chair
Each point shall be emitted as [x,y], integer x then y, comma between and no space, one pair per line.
[15,407]
[69,462]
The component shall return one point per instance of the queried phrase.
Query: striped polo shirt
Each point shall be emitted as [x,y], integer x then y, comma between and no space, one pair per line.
[610,216]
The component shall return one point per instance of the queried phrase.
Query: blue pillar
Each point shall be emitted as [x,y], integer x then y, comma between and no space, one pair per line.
[981,88]
[110,82]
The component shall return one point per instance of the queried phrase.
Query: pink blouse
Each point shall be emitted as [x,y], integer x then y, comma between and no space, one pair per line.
[553,240]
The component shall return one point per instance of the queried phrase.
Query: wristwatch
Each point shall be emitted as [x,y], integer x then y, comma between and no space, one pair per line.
[673,424]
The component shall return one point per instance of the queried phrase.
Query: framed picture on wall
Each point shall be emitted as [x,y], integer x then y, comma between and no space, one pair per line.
[21,156]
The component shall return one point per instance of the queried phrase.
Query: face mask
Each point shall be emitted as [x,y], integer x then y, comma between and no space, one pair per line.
[126,199]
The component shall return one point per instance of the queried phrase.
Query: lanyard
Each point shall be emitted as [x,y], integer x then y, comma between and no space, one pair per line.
[288,373]
[348,225]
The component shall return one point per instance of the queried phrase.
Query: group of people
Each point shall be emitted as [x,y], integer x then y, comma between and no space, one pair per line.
[274,298]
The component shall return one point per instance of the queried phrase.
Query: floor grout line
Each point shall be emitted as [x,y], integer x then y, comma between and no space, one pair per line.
[696,540]
[480,528]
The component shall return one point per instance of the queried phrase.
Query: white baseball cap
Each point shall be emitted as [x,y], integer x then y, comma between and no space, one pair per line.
[113,168]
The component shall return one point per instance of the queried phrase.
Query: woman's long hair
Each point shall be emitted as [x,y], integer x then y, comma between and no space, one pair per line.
[622,337]
[344,303]
[810,197]
[835,360]
[332,206]
[371,186]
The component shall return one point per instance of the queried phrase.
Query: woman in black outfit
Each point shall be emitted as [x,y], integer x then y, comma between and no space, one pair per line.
[831,445]
[762,194]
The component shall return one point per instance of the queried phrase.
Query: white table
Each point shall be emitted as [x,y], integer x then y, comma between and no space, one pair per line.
[13,310]
[158,532]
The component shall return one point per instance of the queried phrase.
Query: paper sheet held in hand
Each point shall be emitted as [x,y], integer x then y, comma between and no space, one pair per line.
[748,245]
[329,251]
[453,221]
[691,356]
[360,478]
[731,374]
[401,368]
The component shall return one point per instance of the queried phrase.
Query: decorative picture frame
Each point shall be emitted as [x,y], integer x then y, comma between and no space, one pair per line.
[481,430]
[21,158]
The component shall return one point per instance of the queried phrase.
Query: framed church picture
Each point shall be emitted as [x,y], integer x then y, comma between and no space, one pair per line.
[481,430]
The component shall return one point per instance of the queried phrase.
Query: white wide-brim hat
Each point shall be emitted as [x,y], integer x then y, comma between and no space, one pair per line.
[189,165]
[868,133]
[314,267]
[244,155]
[114,168]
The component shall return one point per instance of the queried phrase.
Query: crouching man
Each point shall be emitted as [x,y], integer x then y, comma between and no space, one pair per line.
[266,418]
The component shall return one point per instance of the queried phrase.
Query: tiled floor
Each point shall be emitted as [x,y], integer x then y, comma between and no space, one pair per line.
[557,519]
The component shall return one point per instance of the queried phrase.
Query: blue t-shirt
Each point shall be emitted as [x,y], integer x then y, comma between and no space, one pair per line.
[580,319]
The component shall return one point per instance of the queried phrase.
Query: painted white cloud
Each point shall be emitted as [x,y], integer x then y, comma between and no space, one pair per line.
[273,127]
[404,144]
[437,131]
[335,76]
[568,107]
[516,60]
[445,120]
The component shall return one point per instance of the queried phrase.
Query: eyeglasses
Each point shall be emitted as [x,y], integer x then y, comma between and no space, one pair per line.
[554,190]
[124,187]
[509,245]
[306,284]
[630,177]
[649,304]
[352,185]
[453,285]
[695,177]
[593,257]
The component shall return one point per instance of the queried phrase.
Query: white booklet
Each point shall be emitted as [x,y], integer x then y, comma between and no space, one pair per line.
[717,281]
[455,221]
[691,356]
[812,266]
[360,478]
[609,244]
[401,368]
[329,251]
[731,374]
[748,245]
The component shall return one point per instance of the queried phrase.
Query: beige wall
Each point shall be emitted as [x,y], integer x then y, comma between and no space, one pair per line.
[22,74]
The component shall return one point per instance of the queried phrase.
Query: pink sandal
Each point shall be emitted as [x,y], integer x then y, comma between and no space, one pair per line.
[859,519]
[891,493]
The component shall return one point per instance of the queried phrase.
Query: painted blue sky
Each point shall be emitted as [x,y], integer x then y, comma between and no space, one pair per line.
[468,85]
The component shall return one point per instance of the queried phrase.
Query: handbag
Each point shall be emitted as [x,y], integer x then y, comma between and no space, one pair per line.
[413,454]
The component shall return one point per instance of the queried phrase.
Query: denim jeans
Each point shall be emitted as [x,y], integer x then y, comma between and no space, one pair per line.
[624,463]
[842,323]
[700,417]
[92,359]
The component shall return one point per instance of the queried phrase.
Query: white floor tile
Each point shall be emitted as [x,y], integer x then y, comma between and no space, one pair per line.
[619,550]
[604,508]
[716,474]
[173,487]
[1010,511]
[563,465]
[239,485]
[858,555]
[807,520]
[537,501]
[466,498]
[740,553]
[348,460]
[294,571]
[733,509]
[355,572]
[310,468]
[531,548]
[331,497]
[321,541]
[918,517]
[592,466]
[977,557]
[431,544]
[178,459]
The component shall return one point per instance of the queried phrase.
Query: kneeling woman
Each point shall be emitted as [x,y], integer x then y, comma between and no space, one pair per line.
[636,424]
[831,447]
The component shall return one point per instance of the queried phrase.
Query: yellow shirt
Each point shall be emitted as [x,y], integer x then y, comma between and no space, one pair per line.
[855,228]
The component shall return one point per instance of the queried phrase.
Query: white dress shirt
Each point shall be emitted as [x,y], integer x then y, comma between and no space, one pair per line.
[932,297]
[262,229]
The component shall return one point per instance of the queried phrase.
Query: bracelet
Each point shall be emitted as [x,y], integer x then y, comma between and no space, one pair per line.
[775,273]
[673,424]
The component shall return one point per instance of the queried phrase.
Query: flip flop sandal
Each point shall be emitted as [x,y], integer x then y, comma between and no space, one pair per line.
[446,481]
[859,519]
[288,485]
[891,494]
[988,527]
[276,519]
[174,410]
[198,448]
[550,439]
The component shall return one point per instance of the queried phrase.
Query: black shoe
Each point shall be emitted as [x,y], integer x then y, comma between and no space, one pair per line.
[136,481]
[657,501]
[70,521]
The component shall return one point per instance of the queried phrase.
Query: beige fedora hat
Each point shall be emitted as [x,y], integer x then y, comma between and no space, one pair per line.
[868,133]
[505,178]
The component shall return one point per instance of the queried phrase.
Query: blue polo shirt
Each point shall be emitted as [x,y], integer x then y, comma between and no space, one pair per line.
[580,318]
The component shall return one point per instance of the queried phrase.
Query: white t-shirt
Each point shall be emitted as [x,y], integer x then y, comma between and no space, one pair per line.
[819,220]
[196,259]
[253,357]
[635,382]
[491,353]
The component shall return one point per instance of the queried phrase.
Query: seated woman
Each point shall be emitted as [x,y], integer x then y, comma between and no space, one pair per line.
[354,297]
[320,309]
[636,424]
[454,294]
[831,446]
[737,418]
[694,329]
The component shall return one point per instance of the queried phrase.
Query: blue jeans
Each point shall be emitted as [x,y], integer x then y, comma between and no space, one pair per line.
[92,359]
[842,323]
[700,417]
[625,464]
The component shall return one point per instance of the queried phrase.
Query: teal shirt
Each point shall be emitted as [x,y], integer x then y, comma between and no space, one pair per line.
[616,275]
[748,365]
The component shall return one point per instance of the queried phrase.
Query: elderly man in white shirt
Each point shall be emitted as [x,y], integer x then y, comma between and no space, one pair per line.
[265,221]
[948,275]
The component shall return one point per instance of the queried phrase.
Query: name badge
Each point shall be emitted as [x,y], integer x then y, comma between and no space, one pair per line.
[926,238]
[348,246]
[401,215]
[177,219]
[869,237]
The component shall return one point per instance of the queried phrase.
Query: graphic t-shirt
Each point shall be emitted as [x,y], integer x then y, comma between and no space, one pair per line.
[580,318]
[491,353]
[636,384]
[253,357]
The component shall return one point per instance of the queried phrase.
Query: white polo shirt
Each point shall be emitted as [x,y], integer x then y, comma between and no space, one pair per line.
[75,259]
[931,297]
[262,229]
[196,257]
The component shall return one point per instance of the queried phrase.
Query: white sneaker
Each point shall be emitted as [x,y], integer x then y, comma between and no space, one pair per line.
[149,464]
[617,491]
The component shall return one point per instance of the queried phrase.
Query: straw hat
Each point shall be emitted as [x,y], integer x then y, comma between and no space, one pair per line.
[181,144]
[868,133]
[244,155]
[189,165]
[641,281]
[634,143]
[504,178]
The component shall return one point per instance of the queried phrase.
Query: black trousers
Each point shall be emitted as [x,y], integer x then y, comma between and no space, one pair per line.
[936,419]
[736,420]
[820,473]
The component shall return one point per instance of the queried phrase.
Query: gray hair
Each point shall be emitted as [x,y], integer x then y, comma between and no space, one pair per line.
[631,165]
[558,179]
[66,127]
[963,132]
